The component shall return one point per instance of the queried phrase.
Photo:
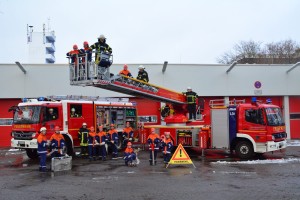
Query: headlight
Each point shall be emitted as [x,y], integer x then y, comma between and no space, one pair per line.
[33,135]
[273,138]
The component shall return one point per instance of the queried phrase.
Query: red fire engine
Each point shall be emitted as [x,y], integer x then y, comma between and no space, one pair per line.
[67,112]
[246,128]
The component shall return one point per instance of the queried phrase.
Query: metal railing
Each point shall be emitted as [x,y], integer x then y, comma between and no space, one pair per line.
[85,67]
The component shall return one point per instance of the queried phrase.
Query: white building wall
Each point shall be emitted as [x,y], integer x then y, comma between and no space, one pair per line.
[206,80]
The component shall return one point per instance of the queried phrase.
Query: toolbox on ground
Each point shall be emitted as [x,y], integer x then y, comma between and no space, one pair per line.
[61,163]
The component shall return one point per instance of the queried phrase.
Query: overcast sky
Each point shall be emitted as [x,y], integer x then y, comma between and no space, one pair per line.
[149,31]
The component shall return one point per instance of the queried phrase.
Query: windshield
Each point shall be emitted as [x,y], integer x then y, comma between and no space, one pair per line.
[274,117]
[27,115]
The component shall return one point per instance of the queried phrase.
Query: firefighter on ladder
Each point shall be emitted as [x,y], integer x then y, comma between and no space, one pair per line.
[142,74]
[74,61]
[153,141]
[57,143]
[83,138]
[86,58]
[42,149]
[191,102]
[102,55]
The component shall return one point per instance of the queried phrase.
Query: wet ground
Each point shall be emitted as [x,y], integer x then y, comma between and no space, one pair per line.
[216,176]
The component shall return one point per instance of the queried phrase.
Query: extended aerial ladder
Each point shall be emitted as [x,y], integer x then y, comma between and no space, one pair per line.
[98,75]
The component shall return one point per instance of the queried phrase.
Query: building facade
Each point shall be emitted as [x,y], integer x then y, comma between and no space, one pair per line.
[239,81]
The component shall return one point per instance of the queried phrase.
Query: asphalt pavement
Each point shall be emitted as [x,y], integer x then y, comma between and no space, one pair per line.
[218,175]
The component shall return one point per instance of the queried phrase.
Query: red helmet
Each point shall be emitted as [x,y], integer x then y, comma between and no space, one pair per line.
[56,128]
[125,67]
[129,144]
[85,43]
[75,46]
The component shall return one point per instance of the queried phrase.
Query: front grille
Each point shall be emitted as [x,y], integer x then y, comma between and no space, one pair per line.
[280,135]
[23,135]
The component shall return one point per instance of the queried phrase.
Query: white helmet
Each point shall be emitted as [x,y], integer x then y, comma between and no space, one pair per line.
[73,109]
[84,124]
[43,129]
[101,37]
[189,88]
[141,67]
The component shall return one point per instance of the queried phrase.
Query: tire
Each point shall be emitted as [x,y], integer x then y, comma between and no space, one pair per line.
[32,153]
[244,150]
[69,148]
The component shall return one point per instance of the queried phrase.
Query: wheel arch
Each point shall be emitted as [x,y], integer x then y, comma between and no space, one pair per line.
[69,141]
[243,137]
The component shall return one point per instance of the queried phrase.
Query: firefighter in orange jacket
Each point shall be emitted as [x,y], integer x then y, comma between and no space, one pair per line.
[125,71]
[57,142]
[127,134]
[153,141]
[167,145]
[103,140]
[129,155]
[42,149]
[92,142]
[114,140]
[73,55]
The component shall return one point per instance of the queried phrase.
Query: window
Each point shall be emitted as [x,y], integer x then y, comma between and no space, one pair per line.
[6,121]
[75,110]
[295,116]
[51,114]
[254,116]
[147,119]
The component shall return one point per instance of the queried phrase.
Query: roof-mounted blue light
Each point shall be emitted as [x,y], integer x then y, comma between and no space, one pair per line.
[24,100]
[41,98]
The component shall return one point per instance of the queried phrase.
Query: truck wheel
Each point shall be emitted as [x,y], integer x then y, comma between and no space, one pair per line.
[244,150]
[32,153]
[69,148]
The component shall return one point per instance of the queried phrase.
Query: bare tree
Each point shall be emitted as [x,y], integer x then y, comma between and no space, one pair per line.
[282,52]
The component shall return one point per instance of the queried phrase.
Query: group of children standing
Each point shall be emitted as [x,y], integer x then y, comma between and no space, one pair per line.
[94,144]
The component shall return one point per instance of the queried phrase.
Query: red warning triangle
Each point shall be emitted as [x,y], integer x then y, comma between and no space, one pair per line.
[180,157]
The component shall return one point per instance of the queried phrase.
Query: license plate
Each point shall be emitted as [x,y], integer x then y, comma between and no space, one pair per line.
[21,142]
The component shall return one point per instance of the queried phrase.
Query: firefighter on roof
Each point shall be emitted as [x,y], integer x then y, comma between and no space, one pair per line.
[167,145]
[142,75]
[42,149]
[125,71]
[114,140]
[83,139]
[153,141]
[129,155]
[127,134]
[57,143]
[191,102]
